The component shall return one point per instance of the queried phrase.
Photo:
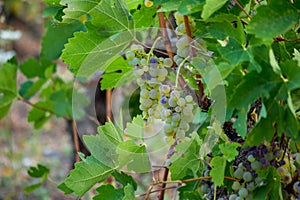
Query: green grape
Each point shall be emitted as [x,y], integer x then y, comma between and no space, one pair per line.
[243,192]
[251,158]
[146,68]
[147,103]
[143,62]
[163,72]
[153,72]
[175,94]
[258,181]
[135,61]
[188,98]
[176,117]
[178,61]
[250,186]
[233,197]
[187,111]
[168,62]
[129,55]
[153,94]
[256,165]
[183,52]
[164,89]
[236,185]
[238,173]
[177,109]
[181,102]
[247,176]
[180,134]
[144,93]
[182,43]
[168,129]
[172,102]
[298,158]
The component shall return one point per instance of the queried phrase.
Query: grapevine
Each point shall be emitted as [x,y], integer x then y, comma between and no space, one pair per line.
[216,102]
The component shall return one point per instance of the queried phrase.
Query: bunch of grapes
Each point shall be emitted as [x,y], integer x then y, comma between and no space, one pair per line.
[159,100]
[253,164]
[183,46]
[150,72]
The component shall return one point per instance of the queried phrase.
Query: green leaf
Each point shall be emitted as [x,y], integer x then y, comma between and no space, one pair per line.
[144,17]
[63,187]
[103,145]
[211,6]
[190,6]
[56,37]
[218,169]
[29,88]
[129,192]
[186,158]
[134,156]
[52,2]
[39,116]
[98,52]
[108,192]
[33,187]
[117,74]
[32,68]
[86,174]
[240,123]
[135,129]
[110,16]
[229,150]
[8,87]
[124,179]
[273,19]
[291,71]
[62,105]
[39,172]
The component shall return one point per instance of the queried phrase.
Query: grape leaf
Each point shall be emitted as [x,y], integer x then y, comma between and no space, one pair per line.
[88,52]
[240,123]
[129,192]
[103,145]
[33,187]
[124,179]
[186,158]
[56,36]
[135,129]
[32,68]
[134,156]
[190,6]
[144,17]
[117,74]
[8,87]
[108,192]
[109,16]
[86,174]
[273,19]
[39,116]
[29,88]
[211,6]
[291,70]
[218,169]
[63,187]
[229,150]
[39,172]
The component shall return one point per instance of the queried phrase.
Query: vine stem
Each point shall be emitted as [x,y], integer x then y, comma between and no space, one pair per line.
[193,54]
[108,105]
[76,141]
[34,105]
[178,71]
[242,9]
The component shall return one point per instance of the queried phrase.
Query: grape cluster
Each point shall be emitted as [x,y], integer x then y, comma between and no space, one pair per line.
[150,72]
[159,100]
[183,46]
[252,165]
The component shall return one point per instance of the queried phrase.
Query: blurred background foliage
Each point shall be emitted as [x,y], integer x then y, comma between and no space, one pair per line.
[21,30]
